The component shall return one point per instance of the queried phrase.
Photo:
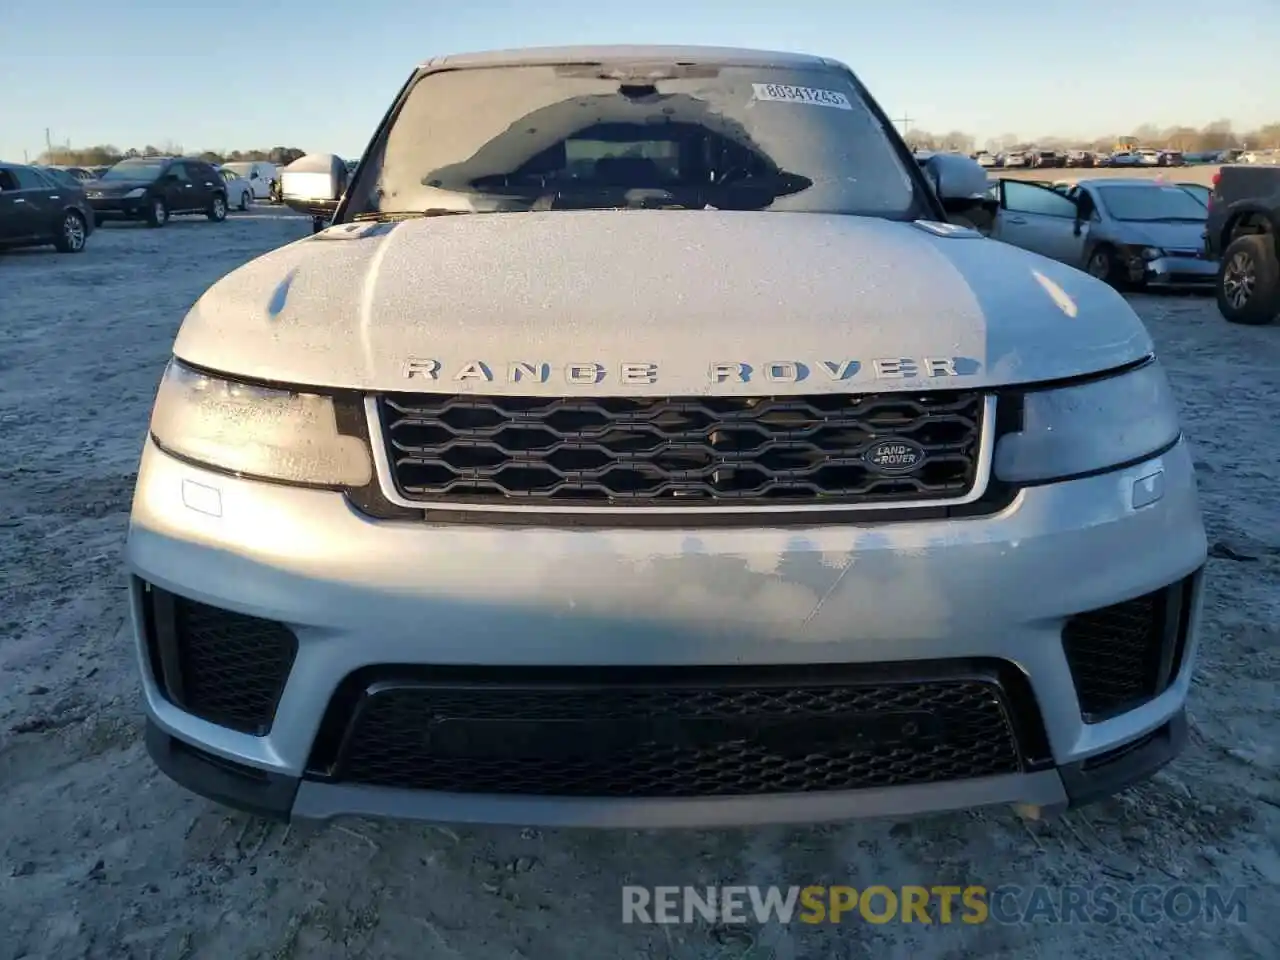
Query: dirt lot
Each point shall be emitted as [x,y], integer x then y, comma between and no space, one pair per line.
[101,857]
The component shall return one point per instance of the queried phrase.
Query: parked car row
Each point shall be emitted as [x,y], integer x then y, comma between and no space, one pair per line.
[153,189]
[247,180]
[1265,157]
[1135,234]
[1130,233]
[39,208]
[262,178]
[61,206]
[1085,158]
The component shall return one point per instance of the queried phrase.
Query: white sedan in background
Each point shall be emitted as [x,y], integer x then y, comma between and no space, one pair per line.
[239,192]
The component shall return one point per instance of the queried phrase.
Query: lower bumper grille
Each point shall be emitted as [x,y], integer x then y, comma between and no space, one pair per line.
[1124,655]
[224,667]
[691,732]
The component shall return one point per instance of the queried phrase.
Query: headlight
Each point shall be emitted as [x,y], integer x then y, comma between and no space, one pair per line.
[135,194]
[1152,253]
[1091,427]
[256,431]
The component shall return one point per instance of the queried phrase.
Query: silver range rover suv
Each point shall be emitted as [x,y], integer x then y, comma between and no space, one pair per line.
[639,444]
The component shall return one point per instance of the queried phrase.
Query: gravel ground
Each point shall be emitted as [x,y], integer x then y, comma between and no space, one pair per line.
[100,856]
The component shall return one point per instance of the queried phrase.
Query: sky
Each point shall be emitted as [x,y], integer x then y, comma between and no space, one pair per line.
[319,74]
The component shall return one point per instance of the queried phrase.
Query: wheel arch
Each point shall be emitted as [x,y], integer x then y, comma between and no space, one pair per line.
[1251,219]
[55,226]
[1091,247]
[86,218]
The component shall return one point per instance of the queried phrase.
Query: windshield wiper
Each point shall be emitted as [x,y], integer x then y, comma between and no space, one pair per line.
[384,216]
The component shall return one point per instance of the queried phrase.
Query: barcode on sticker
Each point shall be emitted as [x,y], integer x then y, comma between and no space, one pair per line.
[782,93]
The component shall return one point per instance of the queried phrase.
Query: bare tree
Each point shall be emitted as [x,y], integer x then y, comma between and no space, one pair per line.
[105,154]
[1267,137]
[1217,136]
[1182,138]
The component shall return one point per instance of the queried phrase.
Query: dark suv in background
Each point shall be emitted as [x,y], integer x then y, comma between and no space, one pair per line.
[155,188]
[37,209]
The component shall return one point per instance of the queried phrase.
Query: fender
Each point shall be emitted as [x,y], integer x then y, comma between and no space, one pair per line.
[1251,206]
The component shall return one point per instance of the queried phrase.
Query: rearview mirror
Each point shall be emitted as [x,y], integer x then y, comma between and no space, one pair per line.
[313,184]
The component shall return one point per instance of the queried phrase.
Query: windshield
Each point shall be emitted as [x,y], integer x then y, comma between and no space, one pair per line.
[1151,203]
[228,174]
[61,176]
[572,138]
[239,169]
[1201,193]
[135,170]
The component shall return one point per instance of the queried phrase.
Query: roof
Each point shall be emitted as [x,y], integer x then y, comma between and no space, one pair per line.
[724,56]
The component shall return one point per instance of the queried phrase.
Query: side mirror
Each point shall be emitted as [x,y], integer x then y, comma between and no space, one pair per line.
[962,186]
[313,184]
[955,179]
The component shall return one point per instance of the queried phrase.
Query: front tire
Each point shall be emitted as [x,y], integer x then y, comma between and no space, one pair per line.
[1248,284]
[1102,265]
[217,211]
[72,235]
[244,200]
[158,213]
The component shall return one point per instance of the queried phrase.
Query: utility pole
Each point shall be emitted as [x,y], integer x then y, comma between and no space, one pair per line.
[906,123]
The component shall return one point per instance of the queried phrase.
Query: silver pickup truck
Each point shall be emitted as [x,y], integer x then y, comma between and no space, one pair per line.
[640,445]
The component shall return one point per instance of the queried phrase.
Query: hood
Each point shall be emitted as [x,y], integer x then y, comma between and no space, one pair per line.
[1167,236]
[658,303]
[112,187]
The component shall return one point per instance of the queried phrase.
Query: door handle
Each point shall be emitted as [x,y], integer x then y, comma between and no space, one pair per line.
[19,200]
[1017,220]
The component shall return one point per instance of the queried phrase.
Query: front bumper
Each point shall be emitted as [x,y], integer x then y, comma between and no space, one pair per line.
[365,599]
[1180,271]
[119,208]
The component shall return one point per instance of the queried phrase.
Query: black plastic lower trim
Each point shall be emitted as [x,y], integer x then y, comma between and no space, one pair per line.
[332,749]
[1109,773]
[271,796]
[268,795]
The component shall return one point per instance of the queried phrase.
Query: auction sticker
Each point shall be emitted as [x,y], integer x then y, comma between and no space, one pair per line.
[782,93]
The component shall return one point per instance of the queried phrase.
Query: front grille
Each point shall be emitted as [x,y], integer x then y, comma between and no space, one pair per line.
[1123,655]
[691,732]
[224,667]
[695,451]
